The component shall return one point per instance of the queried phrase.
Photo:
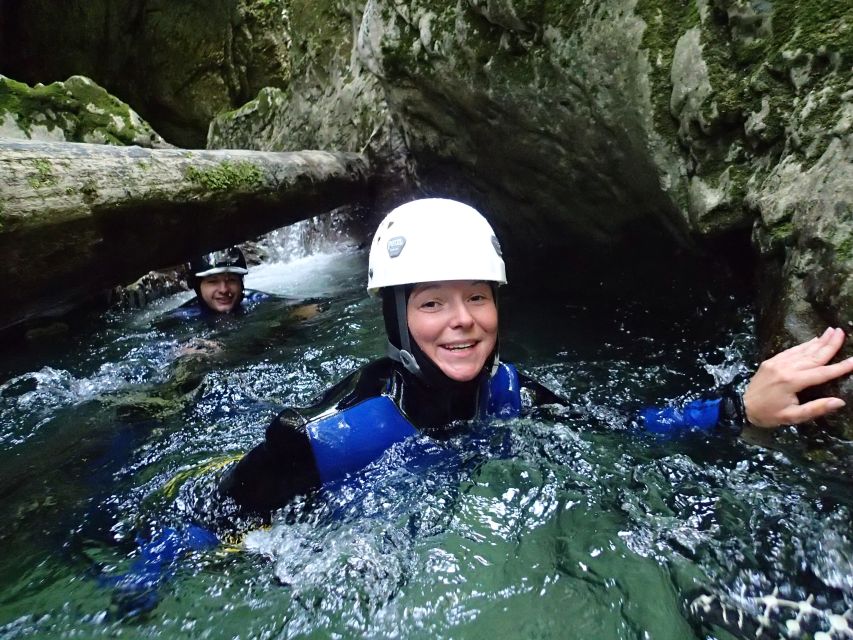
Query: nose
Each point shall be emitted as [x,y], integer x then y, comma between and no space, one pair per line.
[461,318]
[222,286]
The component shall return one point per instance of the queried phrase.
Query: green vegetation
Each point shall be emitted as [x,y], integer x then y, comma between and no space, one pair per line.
[81,109]
[782,232]
[666,21]
[844,251]
[321,32]
[751,58]
[43,176]
[226,176]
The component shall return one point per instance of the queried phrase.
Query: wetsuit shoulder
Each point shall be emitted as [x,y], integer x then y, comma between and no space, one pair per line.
[369,381]
[284,464]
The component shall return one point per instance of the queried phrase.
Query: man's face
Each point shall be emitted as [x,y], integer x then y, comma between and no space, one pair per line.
[221,292]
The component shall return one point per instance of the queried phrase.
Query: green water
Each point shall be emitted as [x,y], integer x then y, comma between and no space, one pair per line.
[581,528]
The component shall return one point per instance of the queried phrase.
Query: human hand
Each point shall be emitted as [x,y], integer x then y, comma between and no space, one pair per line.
[771,399]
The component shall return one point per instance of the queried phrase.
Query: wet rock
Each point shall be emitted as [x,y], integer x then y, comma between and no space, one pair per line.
[150,287]
[536,112]
[177,63]
[77,110]
[50,331]
[806,236]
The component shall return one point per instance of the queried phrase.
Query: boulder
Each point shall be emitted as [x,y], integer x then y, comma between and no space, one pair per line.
[77,110]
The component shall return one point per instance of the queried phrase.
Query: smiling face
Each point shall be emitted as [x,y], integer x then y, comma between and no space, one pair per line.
[455,324]
[221,292]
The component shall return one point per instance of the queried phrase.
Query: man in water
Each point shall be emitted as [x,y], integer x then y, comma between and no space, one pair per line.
[227,333]
[217,279]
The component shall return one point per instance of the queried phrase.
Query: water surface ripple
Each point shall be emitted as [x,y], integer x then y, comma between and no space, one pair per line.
[579,527]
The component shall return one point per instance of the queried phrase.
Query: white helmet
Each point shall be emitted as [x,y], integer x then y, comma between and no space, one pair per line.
[433,240]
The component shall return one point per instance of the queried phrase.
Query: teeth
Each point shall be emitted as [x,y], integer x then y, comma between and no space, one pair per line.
[460,346]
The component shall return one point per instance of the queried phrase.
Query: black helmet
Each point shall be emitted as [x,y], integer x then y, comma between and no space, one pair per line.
[226,261]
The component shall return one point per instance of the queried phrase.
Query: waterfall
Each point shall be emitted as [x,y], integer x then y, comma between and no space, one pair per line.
[329,233]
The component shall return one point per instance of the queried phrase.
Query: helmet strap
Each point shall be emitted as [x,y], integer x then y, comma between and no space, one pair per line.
[496,356]
[403,355]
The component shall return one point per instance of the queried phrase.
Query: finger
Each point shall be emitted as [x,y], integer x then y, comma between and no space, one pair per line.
[819,375]
[802,348]
[795,414]
[827,346]
[824,339]
[808,344]
[815,352]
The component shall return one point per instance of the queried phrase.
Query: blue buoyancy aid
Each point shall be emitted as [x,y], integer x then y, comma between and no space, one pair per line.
[699,414]
[349,440]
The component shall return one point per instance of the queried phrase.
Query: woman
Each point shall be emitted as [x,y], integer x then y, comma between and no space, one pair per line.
[437,266]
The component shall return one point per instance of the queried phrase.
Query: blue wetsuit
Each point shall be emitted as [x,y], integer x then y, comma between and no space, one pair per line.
[355,421]
[194,308]
[351,425]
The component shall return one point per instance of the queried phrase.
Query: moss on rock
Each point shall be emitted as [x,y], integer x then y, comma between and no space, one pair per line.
[77,110]
[227,175]
[42,175]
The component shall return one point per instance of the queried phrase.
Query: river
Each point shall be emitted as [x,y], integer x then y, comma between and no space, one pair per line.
[584,527]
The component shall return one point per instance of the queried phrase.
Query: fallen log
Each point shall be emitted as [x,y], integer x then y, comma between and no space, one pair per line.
[76,219]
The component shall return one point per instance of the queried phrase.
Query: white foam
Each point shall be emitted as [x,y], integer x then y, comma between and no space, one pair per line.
[314,276]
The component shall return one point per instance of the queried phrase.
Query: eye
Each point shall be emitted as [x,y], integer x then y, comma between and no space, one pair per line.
[479,297]
[429,305]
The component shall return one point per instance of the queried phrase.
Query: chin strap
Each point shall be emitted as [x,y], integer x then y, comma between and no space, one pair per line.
[496,358]
[404,355]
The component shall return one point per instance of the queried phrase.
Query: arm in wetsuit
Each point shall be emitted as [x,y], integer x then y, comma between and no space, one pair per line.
[722,410]
[284,464]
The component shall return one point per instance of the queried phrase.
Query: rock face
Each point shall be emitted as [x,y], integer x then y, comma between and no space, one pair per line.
[539,112]
[585,119]
[331,101]
[177,63]
[79,218]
